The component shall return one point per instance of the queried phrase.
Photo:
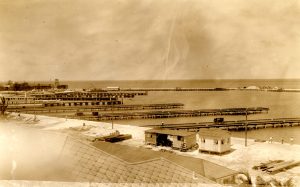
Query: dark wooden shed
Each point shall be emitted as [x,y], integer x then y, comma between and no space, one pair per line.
[177,139]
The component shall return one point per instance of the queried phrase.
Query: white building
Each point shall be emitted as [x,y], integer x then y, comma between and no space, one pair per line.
[16,98]
[214,141]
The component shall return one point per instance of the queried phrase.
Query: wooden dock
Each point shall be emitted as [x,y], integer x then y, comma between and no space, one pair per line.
[178,89]
[173,114]
[95,108]
[235,125]
[175,89]
[85,95]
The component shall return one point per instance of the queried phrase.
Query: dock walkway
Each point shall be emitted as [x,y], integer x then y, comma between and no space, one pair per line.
[82,108]
[178,89]
[173,113]
[235,125]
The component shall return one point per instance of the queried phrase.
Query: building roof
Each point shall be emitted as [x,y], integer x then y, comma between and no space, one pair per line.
[171,132]
[214,133]
[89,163]
[140,155]
[215,171]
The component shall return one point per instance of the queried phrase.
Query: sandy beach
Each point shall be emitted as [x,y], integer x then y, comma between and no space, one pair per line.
[241,158]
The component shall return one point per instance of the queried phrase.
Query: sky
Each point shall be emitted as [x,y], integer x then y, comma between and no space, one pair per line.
[149,39]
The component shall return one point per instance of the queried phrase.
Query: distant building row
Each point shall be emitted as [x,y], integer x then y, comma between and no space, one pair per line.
[25,86]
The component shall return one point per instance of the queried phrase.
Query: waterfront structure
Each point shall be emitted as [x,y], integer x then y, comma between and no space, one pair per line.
[59,98]
[214,141]
[17,98]
[174,114]
[177,139]
[79,103]
[113,88]
[238,125]
[69,106]
[74,98]
[25,86]
[84,95]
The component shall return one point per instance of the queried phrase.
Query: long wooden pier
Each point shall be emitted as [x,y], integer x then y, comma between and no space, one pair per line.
[176,89]
[73,109]
[235,125]
[173,113]
[204,89]
[84,95]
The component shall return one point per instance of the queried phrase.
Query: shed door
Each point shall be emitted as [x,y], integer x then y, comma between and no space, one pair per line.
[162,140]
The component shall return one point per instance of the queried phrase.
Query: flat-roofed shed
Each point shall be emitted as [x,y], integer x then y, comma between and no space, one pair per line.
[214,141]
[214,133]
[178,139]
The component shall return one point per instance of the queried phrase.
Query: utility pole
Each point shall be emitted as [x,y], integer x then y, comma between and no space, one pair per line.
[246,124]
[112,118]
[112,111]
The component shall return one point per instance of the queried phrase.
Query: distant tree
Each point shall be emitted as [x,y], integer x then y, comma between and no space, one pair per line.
[3,105]
[21,86]
[10,82]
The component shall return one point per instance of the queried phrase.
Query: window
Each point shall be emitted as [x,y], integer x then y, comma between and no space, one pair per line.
[222,141]
[203,140]
[179,138]
[216,141]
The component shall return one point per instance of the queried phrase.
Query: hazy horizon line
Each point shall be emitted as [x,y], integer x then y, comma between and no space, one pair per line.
[62,80]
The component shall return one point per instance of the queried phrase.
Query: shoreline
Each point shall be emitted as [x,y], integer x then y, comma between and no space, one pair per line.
[240,159]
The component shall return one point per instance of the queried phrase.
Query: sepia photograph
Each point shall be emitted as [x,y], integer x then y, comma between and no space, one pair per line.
[149,93]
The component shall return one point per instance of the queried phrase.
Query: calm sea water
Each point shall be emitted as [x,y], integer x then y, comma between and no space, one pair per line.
[281,104]
[282,83]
